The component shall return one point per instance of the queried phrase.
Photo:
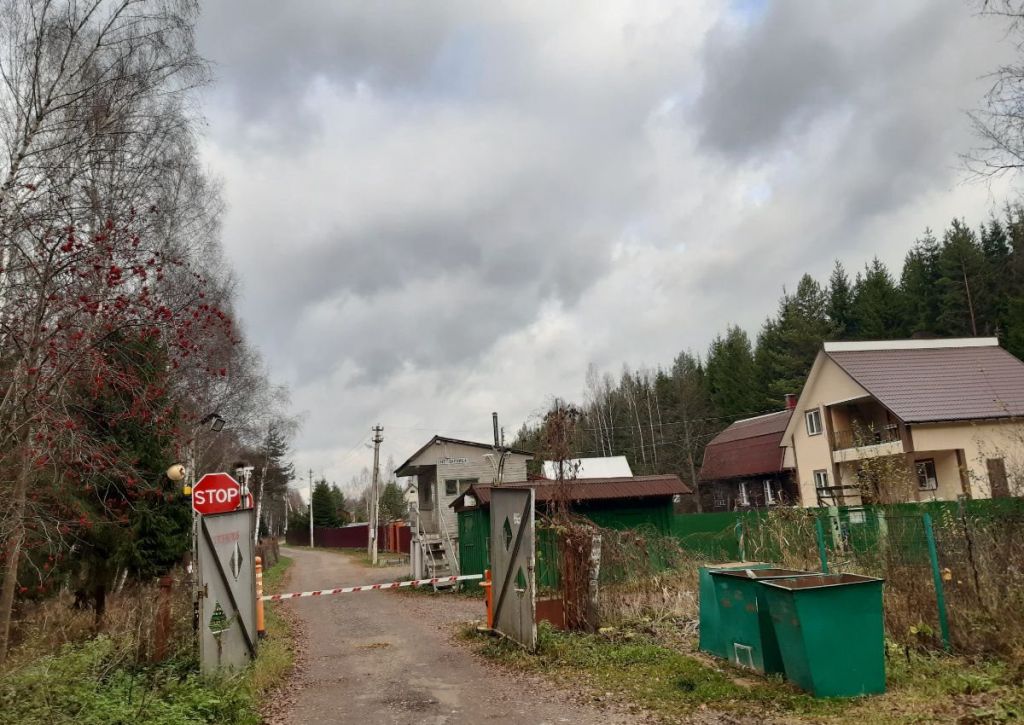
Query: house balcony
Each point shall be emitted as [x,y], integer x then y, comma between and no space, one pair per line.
[866,442]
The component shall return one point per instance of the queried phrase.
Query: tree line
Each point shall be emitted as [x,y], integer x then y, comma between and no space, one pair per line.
[118,338]
[965,282]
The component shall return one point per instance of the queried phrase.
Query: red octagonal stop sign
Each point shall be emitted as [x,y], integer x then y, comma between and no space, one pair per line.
[216,493]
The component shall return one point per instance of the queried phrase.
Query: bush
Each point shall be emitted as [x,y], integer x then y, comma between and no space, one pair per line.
[95,683]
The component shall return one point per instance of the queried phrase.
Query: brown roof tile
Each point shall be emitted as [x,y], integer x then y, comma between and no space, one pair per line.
[939,384]
[748,447]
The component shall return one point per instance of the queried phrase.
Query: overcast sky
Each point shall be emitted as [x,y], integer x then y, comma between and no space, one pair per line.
[437,210]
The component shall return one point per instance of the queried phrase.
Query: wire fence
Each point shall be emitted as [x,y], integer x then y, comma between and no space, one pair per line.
[953,580]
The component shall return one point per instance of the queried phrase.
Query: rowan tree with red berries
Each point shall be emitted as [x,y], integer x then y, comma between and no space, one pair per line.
[116,331]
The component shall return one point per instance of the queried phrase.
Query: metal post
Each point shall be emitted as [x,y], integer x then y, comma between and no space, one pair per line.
[311,545]
[940,595]
[261,628]
[822,549]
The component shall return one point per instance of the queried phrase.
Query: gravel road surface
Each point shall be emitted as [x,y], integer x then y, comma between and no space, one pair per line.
[388,657]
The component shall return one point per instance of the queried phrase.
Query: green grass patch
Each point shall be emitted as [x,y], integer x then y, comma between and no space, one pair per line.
[276,656]
[95,684]
[99,682]
[638,668]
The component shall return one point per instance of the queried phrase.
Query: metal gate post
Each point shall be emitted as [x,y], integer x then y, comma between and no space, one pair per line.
[822,549]
[940,596]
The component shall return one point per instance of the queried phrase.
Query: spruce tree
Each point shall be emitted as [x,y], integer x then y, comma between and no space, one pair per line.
[325,512]
[840,303]
[919,289]
[876,304]
[961,266]
[732,376]
[788,345]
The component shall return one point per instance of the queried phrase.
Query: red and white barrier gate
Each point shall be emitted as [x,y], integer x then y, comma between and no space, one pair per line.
[371,587]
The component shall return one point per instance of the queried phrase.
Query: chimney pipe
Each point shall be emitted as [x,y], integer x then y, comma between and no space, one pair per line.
[790,401]
[497,434]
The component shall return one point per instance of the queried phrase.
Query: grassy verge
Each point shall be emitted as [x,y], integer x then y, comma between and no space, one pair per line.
[101,680]
[276,657]
[645,669]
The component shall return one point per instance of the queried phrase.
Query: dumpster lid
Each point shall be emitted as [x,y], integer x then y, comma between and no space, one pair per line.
[822,581]
[761,573]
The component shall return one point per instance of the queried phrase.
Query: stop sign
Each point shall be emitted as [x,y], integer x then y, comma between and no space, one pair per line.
[216,493]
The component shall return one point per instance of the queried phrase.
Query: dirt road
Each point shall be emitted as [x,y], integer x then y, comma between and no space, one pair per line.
[384,657]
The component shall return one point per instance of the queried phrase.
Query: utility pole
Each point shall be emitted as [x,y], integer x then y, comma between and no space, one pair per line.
[499,450]
[311,545]
[375,494]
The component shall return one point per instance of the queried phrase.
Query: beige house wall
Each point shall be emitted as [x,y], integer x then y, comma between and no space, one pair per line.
[979,442]
[828,385]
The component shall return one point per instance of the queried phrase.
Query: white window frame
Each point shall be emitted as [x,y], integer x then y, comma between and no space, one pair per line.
[821,479]
[744,497]
[769,494]
[812,420]
[931,483]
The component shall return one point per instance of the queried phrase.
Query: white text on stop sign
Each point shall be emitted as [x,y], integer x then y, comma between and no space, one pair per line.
[217,495]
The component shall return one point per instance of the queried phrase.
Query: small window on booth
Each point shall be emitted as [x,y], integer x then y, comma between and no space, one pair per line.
[813,420]
[457,486]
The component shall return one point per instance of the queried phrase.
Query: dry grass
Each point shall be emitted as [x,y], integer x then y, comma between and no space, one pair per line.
[646,575]
[46,626]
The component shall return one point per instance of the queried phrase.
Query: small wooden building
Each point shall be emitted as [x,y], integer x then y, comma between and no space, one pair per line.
[745,465]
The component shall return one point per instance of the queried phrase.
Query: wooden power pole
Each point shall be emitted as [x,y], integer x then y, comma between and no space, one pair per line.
[374,524]
[310,508]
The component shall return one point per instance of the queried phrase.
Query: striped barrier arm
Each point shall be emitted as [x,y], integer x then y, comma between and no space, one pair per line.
[371,587]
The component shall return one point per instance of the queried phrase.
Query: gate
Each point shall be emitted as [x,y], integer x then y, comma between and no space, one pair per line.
[227,620]
[513,562]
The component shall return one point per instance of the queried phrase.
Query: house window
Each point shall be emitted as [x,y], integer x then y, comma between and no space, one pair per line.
[456,486]
[926,480]
[769,494]
[744,498]
[719,499]
[821,479]
[813,420]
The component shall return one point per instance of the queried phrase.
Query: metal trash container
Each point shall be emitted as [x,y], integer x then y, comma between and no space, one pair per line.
[744,625]
[830,633]
[710,631]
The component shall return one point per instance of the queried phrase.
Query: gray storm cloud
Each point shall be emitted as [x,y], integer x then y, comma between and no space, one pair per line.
[441,209]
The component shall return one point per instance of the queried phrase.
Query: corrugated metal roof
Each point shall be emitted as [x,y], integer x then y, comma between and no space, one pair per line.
[591,489]
[749,447]
[939,384]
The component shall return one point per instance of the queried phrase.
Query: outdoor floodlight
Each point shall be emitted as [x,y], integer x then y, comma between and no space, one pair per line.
[215,421]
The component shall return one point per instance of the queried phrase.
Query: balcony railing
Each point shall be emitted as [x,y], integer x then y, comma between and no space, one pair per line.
[864,436]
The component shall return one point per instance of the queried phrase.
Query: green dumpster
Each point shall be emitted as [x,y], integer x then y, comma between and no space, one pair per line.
[830,633]
[744,625]
[710,631]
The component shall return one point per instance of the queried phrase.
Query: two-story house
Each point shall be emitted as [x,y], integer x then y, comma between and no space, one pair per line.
[909,420]
[444,469]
